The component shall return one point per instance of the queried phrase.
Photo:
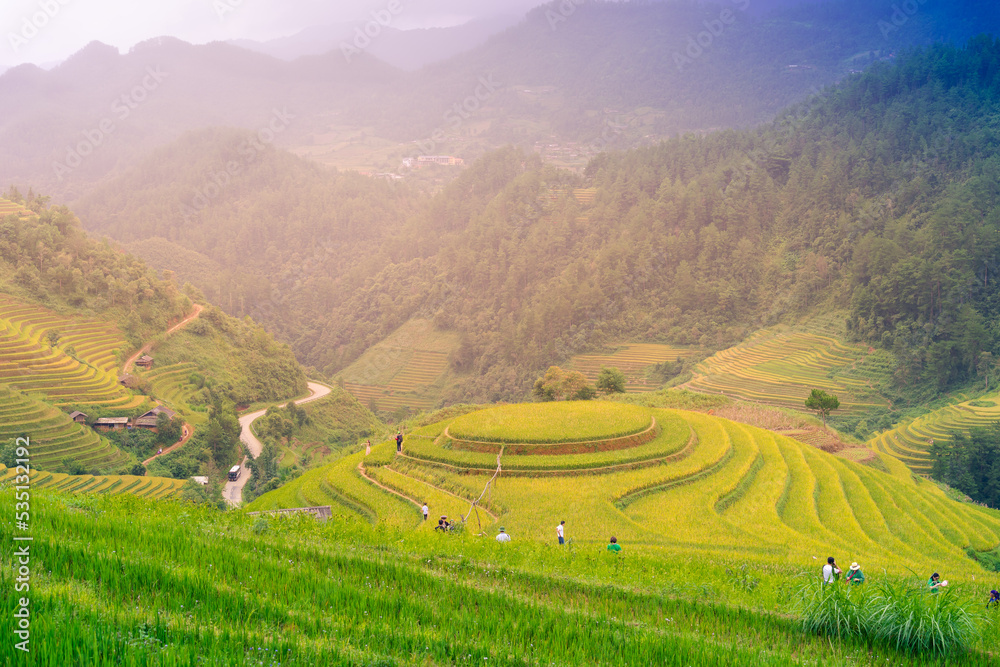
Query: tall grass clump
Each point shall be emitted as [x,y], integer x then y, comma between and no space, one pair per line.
[905,618]
[921,622]
[833,610]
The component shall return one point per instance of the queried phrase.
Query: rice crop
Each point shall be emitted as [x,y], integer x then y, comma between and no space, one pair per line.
[121,580]
[569,421]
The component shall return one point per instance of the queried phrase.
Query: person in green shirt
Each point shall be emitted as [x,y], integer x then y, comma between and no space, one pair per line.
[935,583]
[614,546]
[855,575]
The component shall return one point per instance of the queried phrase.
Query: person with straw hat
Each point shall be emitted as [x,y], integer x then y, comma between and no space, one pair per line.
[502,536]
[855,575]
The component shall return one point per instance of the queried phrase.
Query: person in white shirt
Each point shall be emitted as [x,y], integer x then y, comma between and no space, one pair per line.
[503,536]
[559,532]
[830,571]
[426,510]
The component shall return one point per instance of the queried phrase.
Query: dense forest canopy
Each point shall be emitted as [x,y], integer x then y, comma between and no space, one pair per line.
[48,258]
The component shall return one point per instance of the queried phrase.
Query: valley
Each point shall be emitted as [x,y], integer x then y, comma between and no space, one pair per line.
[658,333]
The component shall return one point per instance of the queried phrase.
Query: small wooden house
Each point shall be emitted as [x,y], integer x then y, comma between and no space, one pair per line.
[145,361]
[148,420]
[111,423]
[78,417]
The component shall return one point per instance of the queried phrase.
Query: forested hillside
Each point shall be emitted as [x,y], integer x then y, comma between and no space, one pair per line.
[878,199]
[48,259]
[73,309]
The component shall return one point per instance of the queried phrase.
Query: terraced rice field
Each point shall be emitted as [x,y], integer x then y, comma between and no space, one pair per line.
[705,485]
[405,370]
[143,487]
[910,442]
[172,385]
[54,436]
[633,359]
[584,196]
[28,362]
[7,207]
[779,367]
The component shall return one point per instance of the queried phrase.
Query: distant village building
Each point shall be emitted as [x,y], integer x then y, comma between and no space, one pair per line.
[111,423]
[148,420]
[145,361]
[198,479]
[449,160]
[78,417]
[128,381]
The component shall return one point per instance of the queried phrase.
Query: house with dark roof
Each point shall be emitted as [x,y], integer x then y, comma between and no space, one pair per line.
[148,420]
[145,361]
[111,423]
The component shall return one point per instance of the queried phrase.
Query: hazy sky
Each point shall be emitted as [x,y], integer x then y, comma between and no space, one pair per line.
[43,31]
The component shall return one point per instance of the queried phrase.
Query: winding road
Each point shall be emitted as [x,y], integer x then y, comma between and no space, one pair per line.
[187,429]
[233,491]
[195,312]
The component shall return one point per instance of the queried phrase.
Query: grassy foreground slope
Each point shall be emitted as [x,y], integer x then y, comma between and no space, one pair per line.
[126,581]
[697,483]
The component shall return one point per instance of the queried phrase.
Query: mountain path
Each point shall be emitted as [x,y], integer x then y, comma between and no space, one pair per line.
[233,491]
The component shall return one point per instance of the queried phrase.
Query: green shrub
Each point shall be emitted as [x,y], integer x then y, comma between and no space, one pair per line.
[905,618]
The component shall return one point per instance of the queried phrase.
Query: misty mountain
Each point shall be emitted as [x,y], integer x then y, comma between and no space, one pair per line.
[605,74]
[403,49]
[877,200]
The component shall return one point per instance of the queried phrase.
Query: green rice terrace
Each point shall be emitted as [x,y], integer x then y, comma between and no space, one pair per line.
[551,423]
[408,369]
[910,441]
[54,436]
[7,207]
[634,360]
[701,485]
[175,385]
[780,367]
[143,487]
[69,360]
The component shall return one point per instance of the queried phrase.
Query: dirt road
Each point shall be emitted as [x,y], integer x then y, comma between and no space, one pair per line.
[148,346]
[233,492]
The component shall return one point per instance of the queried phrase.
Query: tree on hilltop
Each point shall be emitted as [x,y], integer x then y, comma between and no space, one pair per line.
[611,380]
[558,384]
[823,403]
